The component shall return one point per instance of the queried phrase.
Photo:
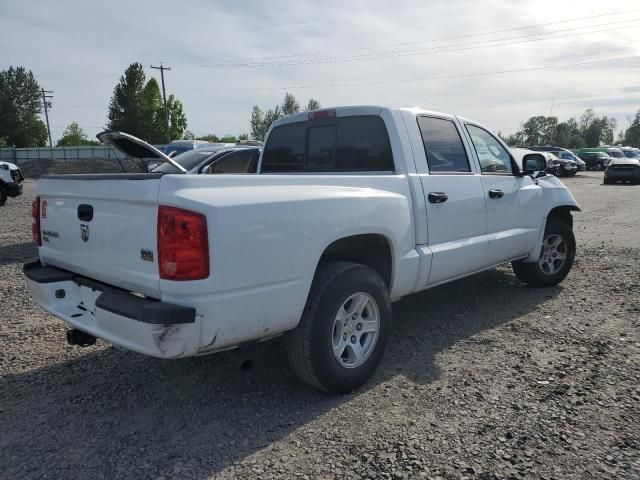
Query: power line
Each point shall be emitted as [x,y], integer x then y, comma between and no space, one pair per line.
[433,50]
[386,46]
[416,79]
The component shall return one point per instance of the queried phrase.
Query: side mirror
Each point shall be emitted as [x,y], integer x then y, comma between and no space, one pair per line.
[534,164]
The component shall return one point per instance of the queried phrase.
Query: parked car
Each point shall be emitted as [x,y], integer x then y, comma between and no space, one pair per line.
[553,165]
[177,147]
[623,169]
[10,181]
[351,208]
[630,152]
[569,162]
[596,160]
[237,159]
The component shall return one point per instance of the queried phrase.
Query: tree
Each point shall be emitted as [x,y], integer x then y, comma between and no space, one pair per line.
[74,136]
[153,124]
[188,135]
[20,105]
[312,104]
[177,118]
[137,108]
[228,139]
[209,138]
[260,121]
[257,123]
[126,109]
[290,105]
[243,136]
[632,134]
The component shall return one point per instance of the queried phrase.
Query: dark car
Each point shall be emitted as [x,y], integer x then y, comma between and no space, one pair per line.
[238,159]
[569,164]
[596,160]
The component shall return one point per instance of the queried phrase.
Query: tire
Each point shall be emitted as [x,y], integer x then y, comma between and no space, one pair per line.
[606,181]
[310,346]
[598,167]
[3,196]
[547,273]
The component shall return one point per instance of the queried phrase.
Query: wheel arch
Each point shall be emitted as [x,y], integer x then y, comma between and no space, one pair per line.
[373,250]
[563,212]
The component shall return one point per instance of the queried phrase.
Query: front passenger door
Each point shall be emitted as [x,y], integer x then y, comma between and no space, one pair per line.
[514,203]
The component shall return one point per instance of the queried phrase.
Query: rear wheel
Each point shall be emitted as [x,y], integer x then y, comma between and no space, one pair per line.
[344,329]
[598,167]
[3,195]
[556,257]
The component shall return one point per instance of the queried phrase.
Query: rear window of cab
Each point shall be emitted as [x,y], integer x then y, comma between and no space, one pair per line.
[345,144]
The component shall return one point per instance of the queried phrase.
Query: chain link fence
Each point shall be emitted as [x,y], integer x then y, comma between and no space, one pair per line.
[35,162]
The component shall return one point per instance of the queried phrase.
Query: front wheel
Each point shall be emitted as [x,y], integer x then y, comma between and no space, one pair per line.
[556,257]
[598,167]
[3,195]
[344,328]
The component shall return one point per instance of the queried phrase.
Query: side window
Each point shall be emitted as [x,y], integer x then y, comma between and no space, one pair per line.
[348,144]
[362,145]
[320,143]
[234,162]
[285,150]
[493,157]
[443,145]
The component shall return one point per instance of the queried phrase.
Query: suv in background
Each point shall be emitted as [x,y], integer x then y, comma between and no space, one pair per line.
[569,163]
[10,181]
[596,160]
[631,152]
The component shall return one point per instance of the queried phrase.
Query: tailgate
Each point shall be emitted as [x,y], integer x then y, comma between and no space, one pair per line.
[102,227]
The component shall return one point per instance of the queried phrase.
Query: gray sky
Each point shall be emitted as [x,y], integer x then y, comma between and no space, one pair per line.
[227,56]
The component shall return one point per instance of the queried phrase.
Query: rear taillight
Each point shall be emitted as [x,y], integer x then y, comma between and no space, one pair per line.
[183,245]
[35,226]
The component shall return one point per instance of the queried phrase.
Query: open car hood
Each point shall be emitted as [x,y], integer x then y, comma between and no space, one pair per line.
[136,148]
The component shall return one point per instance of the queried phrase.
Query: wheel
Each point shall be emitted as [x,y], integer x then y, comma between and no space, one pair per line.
[597,167]
[3,196]
[344,328]
[556,257]
[606,181]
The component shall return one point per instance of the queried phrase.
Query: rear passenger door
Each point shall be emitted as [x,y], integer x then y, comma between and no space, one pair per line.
[455,200]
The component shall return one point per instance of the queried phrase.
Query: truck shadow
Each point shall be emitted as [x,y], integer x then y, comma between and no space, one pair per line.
[17,253]
[112,413]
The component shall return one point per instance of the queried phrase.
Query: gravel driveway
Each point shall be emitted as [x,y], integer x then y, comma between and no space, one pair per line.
[484,378]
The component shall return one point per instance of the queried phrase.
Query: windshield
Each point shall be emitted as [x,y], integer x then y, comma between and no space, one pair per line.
[188,160]
[631,154]
[616,153]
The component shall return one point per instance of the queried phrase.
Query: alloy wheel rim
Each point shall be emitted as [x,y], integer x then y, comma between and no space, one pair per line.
[553,254]
[355,330]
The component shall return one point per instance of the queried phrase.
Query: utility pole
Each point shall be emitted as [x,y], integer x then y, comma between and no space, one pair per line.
[552,103]
[46,104]
[162,68]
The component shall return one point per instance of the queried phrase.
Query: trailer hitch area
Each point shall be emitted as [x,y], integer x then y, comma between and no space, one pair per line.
[80,338]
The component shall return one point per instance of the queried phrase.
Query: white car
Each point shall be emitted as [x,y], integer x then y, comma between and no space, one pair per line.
[351,208]
[10,181]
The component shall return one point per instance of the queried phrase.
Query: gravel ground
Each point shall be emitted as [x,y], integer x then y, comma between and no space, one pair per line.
[485,378]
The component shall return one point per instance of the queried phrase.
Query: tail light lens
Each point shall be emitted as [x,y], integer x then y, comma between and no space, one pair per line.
[183,245]
[35,226]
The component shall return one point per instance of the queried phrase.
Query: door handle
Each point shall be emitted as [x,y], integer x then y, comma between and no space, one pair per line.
[437,197]
[495,193]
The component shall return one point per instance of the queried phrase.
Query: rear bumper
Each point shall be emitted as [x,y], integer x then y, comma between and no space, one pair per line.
[14,189]
[140,324]
[612,174]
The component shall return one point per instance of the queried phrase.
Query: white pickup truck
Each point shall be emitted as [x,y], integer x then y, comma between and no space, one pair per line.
[351,209]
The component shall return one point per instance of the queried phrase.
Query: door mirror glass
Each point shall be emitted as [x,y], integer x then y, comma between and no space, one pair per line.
[533,163]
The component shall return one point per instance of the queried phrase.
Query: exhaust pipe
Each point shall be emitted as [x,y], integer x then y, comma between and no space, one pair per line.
[80,338]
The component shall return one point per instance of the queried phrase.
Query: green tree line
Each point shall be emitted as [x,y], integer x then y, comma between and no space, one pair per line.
[588,130]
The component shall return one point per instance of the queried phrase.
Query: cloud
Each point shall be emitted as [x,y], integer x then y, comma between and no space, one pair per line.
[79,50]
